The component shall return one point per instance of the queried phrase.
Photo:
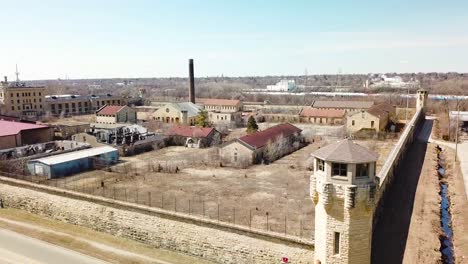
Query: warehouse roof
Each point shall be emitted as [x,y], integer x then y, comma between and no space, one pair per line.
[346,151]
[187,131]
[80,154]
[13,128]
[109,109]
[315,112]
[222,102]
[343,104]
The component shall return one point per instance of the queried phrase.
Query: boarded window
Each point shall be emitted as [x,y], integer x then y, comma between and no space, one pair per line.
[336,246]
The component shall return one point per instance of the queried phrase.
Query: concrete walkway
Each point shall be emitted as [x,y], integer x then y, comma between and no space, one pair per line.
[462,154]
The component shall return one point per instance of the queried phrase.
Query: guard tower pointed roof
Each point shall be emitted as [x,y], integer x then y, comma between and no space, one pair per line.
[346,151]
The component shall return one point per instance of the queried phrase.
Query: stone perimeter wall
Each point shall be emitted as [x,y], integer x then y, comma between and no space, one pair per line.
[208,239]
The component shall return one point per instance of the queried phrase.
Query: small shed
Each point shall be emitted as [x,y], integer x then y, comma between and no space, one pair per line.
[73,162]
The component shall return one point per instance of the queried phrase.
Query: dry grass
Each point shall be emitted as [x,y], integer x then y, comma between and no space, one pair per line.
[75,237]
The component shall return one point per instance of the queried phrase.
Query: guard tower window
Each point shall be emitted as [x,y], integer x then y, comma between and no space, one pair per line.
[340,169]
[362,170]
[336,244]
[372,124]
[320,165]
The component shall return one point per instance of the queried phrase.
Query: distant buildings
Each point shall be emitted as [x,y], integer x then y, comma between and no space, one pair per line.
[16,134]
[383,81]
[283,86]
[114,114]
[19,99]
[348,106]
[80,104]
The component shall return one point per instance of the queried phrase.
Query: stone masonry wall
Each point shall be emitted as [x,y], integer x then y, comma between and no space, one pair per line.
[218,242]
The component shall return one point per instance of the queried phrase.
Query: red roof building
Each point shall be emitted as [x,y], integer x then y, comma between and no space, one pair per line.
[188,131]
[113,114]
[261,138]
[16,134]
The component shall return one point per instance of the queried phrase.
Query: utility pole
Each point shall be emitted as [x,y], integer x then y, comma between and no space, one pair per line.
[456,129]
[407,105]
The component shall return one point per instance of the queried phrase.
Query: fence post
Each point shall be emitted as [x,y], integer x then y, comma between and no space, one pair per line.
[285,221]
[162,200]
[300,231]
[189,207]
[218,212]
[203,207]
[267,221]
[250,218]
[136,195]
[149,199]
[125,189]
[175,204]
[114,194]
[234,215]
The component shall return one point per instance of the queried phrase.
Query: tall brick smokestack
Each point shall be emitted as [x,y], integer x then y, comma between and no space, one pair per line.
[192,82]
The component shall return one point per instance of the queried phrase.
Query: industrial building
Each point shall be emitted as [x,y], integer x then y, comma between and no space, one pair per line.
[80,104]
[16,134]
[113,114]
[283,86]
[73,162]
[20,99]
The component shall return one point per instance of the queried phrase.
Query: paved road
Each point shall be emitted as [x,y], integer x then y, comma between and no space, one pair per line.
[17,248]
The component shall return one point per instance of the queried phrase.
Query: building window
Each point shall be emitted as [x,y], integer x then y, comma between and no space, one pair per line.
[320,165]
[167,110]
[340,169]
[362,170]
[352,123]
[372,124]
[39,95]
[336,244]
[13,108]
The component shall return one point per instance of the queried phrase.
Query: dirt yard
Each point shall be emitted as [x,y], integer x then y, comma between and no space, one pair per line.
[274,195]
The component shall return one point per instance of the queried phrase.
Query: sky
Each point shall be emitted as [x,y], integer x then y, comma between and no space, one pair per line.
[51,39]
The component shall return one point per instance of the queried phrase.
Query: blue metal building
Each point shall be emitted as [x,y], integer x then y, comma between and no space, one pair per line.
[73,162]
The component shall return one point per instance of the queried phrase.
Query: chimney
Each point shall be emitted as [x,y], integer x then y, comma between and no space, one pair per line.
[6,79]
[192,82]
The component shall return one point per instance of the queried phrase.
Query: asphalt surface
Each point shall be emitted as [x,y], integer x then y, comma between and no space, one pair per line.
[17,248]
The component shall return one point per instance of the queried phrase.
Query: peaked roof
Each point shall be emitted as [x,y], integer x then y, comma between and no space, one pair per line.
[261,138]
[12,128]
[191,108]
[346,151]
[211,101]
[381,109]
[315,112]
[187,131]
[109,109]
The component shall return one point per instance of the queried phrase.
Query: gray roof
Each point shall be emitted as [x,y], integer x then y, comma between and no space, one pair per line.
[191,108]
[343,104]
[346,151]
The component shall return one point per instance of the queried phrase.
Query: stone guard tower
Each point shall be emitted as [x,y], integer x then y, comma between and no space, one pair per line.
[343,188]
[421,99]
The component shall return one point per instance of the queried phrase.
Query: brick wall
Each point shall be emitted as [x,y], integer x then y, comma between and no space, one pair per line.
[218,242]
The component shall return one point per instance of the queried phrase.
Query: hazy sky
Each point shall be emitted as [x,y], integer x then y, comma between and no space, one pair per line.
[51,39]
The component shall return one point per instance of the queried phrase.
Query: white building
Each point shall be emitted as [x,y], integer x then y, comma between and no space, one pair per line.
[283,86]
[383,81]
